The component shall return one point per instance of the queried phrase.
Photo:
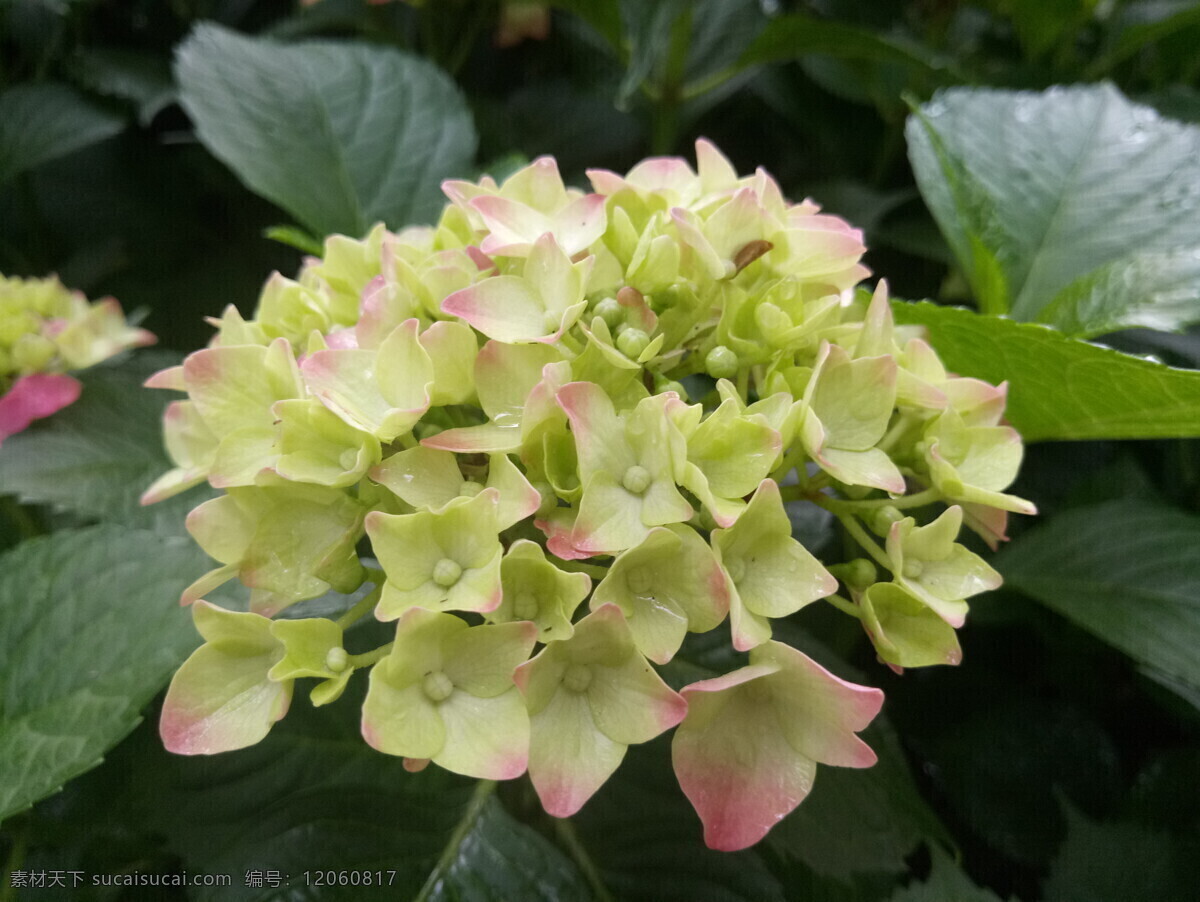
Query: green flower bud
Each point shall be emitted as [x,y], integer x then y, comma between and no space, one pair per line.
[721,363]
[632,342]
[636,479]
[446,572]
[882,520]
[857,574]
[610,311]
[437,686]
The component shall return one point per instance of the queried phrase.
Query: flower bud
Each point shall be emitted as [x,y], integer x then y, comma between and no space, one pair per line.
[631,342]
[721,363]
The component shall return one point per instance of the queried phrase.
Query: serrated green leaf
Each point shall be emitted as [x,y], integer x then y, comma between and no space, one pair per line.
[1073,207]
[96,457]
[946,882]
[1060,387]
[340,135]
[74,671]
[41,122]
[1125,571]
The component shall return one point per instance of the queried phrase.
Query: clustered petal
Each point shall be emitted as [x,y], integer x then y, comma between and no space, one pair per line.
[559,432]
[47,331]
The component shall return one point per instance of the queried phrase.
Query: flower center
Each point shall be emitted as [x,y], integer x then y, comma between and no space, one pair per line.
[336,660]
[437,686]
[636,479]
[446,573]
[578,677]
[348,459]
[913,568]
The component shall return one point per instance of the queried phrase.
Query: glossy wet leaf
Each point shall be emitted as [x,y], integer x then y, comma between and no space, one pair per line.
[1060,387]
[1073,207]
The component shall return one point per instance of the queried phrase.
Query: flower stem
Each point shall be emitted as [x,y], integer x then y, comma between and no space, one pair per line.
[841,505]
[363,607]
[867,543]
[483,791]
[16,856]
[846,607]
[565,829]
[367,658]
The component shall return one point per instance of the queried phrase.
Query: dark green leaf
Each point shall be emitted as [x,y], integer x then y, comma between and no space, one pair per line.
[90,629]
[141,78]
[1116,862]
[97,456]
[646,840]
[603,15]
[796,34]
[41,122]
[1059,387]
[340,135]
[860,821]
[314,800]
[1125,571]
[946,882]
[1073,207]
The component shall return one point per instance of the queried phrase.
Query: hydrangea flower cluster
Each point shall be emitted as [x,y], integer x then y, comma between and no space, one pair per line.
[46,331]
[566,426]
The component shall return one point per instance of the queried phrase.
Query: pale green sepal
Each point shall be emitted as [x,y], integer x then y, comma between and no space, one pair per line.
[316,446]
[904,631]
[538,591]
[307,644]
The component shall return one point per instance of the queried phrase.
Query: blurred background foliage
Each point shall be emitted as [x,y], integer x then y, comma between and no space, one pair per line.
[1060,761]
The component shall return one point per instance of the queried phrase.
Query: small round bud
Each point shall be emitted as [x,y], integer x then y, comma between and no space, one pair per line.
[632,342]
[469,489]
[882,520]
[636,479]
[610,311]
[913,568]
[348,459]
[666,385]
[920,449]
[577,677]
[858,574]
[721,363]
[736,568]
[336,659]
[446,573]
[437,686]
[526,606]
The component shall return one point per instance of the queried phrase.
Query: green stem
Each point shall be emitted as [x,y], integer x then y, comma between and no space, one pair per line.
[364,607]
[867,543]
[483,791]
[846,607]
[368,658]
[841,505]
[570,839]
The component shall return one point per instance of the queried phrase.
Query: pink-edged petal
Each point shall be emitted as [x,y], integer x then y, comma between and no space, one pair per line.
[733,764]
[505,308]
[486,438]
[819,713]
[486,738]
[169,378]
[513,227]
[569,757]
[34,397]
[631,703]
[580,224]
